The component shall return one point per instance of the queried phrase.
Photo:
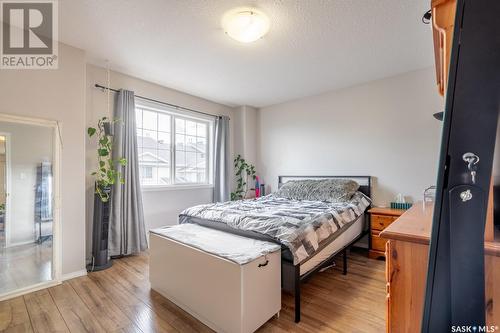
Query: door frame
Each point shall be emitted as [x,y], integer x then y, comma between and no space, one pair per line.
[7,187]
[56,174]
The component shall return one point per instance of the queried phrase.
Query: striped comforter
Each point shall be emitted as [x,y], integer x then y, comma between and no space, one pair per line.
[300,225]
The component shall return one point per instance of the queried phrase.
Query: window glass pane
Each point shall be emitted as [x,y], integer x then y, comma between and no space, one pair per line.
[163,140]
[201,161]
[180,176]
[148,173]
[150,120]
[179,142]
[139,137]
[149,139]
[180,159]
[138,118]
[190,160]
[191,177]
[180,126]
[163,122]
[163,175]
[156,142]
[202,129]
[201,177]
[201,145]
[164,157]
[190,143]
[190,127]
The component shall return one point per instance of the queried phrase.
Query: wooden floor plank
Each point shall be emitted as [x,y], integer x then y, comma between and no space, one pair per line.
[75,313]
[44,315]
[105,312]
[141,287]
[14,316]
[120,299]
[139,312]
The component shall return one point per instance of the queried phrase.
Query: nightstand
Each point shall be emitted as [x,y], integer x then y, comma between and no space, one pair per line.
[380,218]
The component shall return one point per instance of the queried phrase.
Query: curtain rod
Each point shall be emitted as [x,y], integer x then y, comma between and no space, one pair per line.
[160,102]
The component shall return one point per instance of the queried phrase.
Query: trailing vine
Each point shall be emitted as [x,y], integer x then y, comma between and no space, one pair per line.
[243,171]
[107,174]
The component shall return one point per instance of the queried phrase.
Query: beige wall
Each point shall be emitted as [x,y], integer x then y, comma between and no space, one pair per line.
[58,95]
[245,138]
[383,128]
[161,207]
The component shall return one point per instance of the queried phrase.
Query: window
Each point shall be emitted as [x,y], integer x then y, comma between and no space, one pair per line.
[173,147]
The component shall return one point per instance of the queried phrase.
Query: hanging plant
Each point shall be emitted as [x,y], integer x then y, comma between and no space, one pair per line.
[107,174]
[243,172]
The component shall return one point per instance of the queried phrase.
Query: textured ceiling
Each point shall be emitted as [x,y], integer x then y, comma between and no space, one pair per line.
[313,45]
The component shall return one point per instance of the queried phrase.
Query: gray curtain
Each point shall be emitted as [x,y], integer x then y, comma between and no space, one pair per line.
[222,160]
[127,232]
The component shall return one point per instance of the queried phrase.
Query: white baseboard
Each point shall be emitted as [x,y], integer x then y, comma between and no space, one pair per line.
[73,275]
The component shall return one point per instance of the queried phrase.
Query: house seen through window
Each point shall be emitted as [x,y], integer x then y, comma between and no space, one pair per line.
[173,148]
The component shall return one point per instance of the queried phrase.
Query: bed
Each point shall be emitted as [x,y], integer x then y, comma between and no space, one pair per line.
[311,232]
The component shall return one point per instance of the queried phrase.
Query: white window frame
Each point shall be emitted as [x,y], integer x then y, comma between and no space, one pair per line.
[175,113]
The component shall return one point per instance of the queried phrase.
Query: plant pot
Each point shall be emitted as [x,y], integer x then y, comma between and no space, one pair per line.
[102,213]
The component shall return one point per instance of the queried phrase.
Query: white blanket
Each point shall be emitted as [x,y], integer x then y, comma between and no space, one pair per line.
[240,250]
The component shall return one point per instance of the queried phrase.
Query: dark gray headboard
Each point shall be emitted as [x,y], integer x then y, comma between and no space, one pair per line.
[365,182]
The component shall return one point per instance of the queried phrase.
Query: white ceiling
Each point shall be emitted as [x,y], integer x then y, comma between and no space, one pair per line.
[313,45]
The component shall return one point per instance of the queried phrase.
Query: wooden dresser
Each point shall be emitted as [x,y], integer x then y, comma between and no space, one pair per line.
[380,218]
[407,253]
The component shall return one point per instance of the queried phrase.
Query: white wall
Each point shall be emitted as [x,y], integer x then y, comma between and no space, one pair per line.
[58,95]
[384,129]
[245,129]
[161,207]
[29,146]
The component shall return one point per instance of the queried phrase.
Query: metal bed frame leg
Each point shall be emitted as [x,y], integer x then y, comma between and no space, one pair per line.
[344,255]
[297,293]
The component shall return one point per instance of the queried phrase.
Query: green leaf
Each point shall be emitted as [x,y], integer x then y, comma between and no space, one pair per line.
[122,161]
[101,164]
[103,152]
[104,140]
[91,131]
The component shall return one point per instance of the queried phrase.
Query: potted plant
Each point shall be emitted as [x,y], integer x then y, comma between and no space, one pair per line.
[243,171]
[106,175]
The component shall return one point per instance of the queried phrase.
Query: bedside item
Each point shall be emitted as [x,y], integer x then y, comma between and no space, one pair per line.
[380,218]
[257,187]
[262,189]
[401,205]
[429,194]
[400,202]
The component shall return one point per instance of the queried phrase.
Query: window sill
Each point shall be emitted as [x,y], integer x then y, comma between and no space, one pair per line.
[155,188]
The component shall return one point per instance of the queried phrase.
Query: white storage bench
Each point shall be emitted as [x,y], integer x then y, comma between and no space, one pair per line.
[230,283]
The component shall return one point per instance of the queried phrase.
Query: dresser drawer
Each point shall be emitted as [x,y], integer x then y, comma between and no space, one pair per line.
[380,222]
[377,242]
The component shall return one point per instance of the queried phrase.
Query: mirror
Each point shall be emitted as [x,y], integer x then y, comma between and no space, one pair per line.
[26,205]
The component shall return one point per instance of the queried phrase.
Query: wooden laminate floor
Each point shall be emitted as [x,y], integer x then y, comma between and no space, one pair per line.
[120,300]
[25,265]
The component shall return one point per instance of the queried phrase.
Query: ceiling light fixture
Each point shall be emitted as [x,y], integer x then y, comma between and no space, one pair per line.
[245,25]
